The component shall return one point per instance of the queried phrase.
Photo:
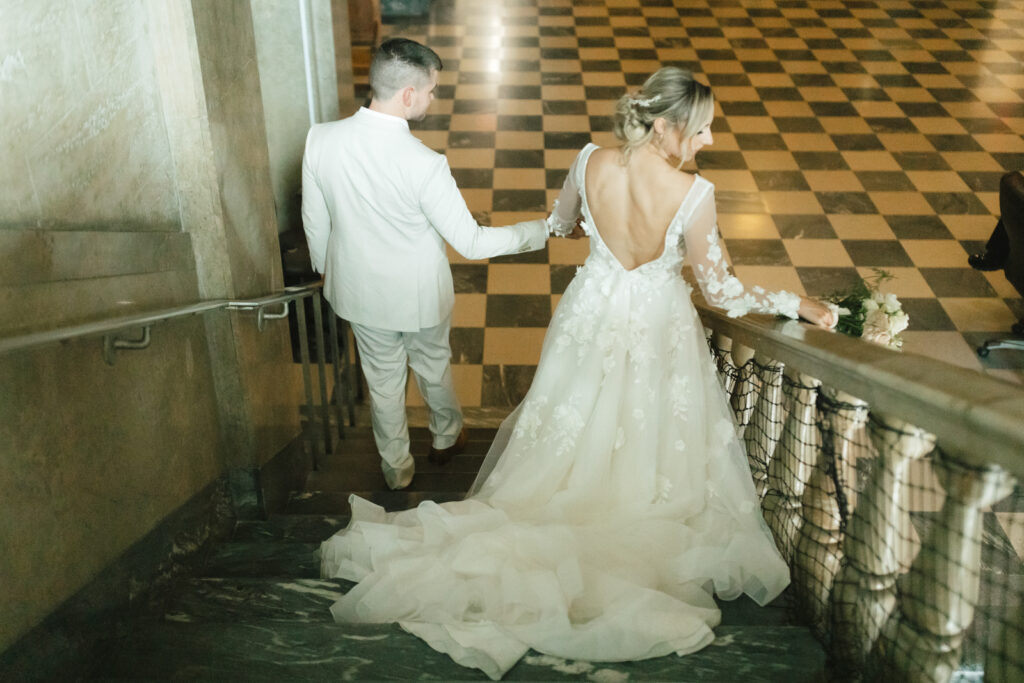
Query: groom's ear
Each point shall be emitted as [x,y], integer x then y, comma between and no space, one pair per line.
[407,95]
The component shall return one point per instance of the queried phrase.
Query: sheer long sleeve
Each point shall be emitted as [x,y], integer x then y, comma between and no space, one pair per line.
[720,286]
[567,207]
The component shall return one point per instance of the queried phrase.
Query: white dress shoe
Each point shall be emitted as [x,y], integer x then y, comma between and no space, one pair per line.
[401,476]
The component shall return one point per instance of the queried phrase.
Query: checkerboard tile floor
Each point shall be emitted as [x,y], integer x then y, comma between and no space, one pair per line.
[848,136]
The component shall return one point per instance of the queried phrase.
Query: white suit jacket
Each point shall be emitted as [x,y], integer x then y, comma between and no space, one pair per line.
[377,207]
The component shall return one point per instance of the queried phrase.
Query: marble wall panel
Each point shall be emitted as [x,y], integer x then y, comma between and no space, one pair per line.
[36,256]
[56,304]
[94,457]
[82,110]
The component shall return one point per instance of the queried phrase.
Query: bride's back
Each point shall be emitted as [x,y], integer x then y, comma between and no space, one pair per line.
[632,204]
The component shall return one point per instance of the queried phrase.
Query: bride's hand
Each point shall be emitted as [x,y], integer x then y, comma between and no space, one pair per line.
[577,231]
[817,313]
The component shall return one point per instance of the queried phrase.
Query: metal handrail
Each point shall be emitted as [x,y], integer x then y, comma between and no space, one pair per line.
[981,417]
[111,329]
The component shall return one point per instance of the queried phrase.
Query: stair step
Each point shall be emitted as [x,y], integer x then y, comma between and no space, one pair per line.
[336,502]
[269,650]
[263,558]
[297,528]
[355,480]
[249,599]
[368,461]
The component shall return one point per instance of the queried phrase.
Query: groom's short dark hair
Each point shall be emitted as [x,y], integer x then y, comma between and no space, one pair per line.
[399,63]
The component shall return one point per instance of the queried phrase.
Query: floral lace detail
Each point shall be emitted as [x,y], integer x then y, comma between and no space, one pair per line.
[679,392]
[663,487]
[721,288]
[556,226]
[558,430]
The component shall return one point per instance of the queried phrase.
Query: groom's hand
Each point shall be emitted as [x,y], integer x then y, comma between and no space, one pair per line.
[577,231]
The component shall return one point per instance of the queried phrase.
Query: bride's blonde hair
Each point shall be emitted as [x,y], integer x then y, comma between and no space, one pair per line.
[670,93]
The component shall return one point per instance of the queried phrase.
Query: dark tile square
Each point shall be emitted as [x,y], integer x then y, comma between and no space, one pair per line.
[432,122]
[918,228]
[795,55]
[520,200]
[467,345]
[879,253]
[744,108]
[728,79]
[463,106]
[519,92]
[554,178]
[885,181]
[824,281]
[559,78]
[952,94]
[537,256]
[844,67]
[820,161]
[863,142]
[866,94]
[519,158]
[602,65]
[924,68]
[779,94]
[473,177]
[920,161]
[760,141]
[955,203]
[833,109]
[465,139]
[478,77]
[762,67]
[566,140]
[798,124]
[1010,161]
[757,252]
[982,181]
[518,310]
[957,282]
[520,65]
[891,125]
[954,143]
[896,81]
[649,54]
[985,126]
[469,278]
[804,226]
[601,41]
[561,276]
[559,53]
[719,160]
[926,315]
[505,386]
[520,122]
[812,80]
[780,180]
[923,109]
[603,92]
[601,123]
[565,107]
[846,202]
[716,55]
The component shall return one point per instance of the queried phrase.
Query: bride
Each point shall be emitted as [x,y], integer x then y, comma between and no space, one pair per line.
[616,499]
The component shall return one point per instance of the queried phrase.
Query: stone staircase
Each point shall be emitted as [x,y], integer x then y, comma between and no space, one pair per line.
[257,610]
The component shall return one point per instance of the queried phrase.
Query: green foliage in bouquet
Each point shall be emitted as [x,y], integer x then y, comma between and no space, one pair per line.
[865,312]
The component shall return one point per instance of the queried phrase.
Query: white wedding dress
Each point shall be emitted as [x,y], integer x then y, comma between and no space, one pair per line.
[615,499]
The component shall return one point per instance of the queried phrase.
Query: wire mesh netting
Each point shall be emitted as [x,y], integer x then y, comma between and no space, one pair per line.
[905,559]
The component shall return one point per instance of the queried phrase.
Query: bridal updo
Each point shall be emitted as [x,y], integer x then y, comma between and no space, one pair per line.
[670,93]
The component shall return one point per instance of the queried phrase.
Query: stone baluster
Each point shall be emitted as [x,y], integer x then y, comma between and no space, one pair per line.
[864,591]
[795,457]
[744,390]
[765,428]
[922,638]
[1004,658]
[725,365]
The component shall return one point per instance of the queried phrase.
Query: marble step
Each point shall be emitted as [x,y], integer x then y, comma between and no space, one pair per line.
[247,599]
[369,461]
[262,558]
[272,650]
[295,528]
[336,502]
[355,480]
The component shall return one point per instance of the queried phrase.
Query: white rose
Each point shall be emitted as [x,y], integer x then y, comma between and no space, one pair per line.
[898,322]
[877,337]
[870,305]
[877,297]
[892,304]
[876,320]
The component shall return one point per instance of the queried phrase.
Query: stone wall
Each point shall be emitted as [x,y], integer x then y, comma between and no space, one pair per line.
[135,176]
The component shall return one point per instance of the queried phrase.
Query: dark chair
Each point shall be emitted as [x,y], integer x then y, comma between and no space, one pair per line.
[1011,206]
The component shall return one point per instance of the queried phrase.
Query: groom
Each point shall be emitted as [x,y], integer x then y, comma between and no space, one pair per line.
[378,207]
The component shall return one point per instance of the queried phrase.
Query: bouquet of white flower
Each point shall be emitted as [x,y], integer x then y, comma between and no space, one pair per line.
[863,311]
